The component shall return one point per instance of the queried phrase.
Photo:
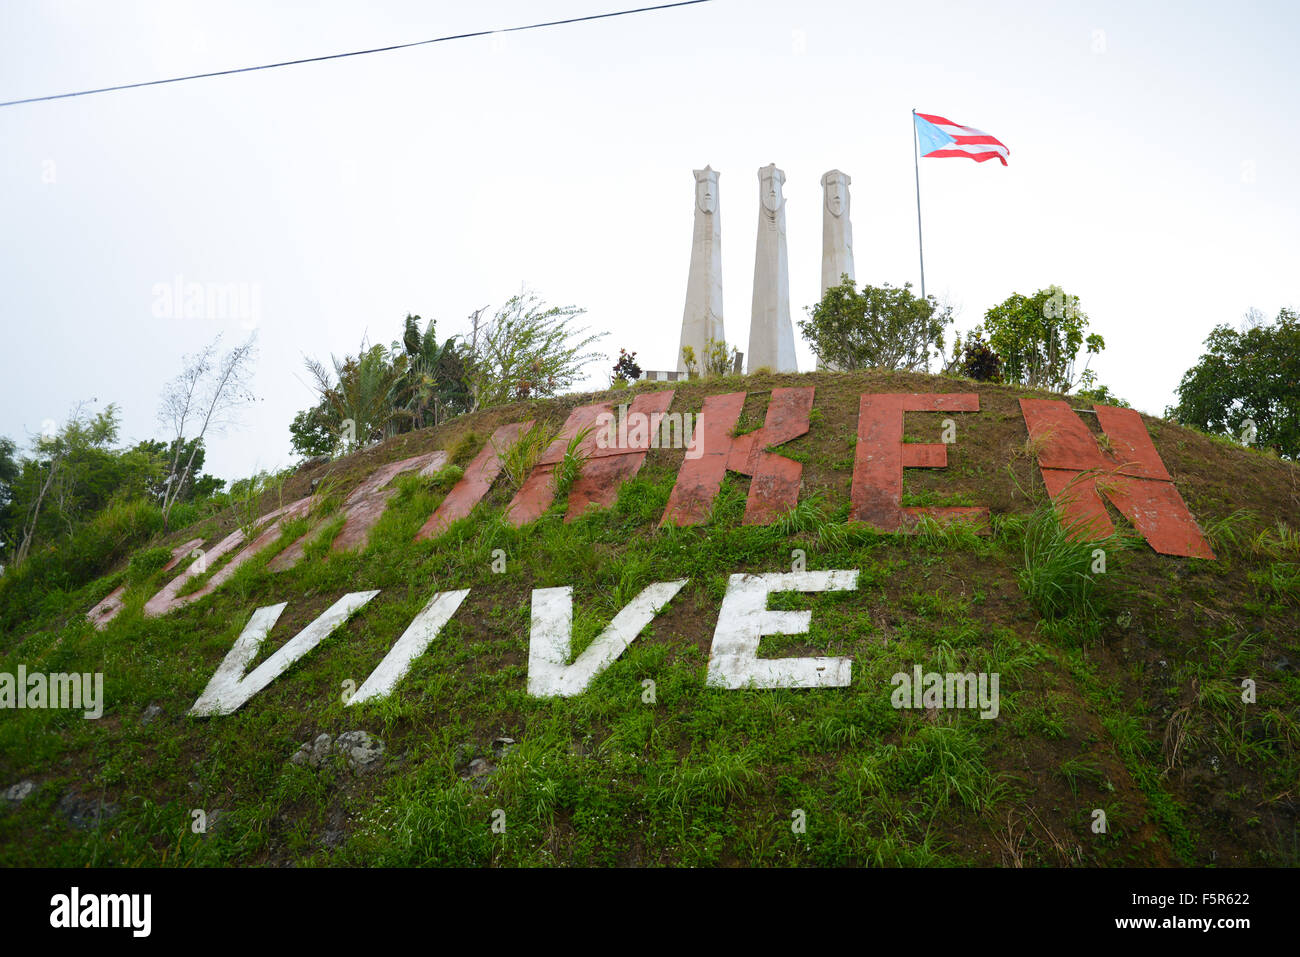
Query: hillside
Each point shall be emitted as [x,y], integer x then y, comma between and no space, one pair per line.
[1131,705]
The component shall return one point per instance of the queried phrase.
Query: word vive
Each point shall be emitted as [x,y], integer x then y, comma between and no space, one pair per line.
[743,621]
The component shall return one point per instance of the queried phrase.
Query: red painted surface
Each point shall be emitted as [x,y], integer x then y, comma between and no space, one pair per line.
[168,600]
[108,609]
[774,479]
[1131,442]
[474,484]
[699,480]
[361,509]
[366,504]
[608,468]
[538,491]
[881,456]
[1078,472]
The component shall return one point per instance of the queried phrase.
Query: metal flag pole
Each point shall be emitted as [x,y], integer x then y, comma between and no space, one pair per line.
[916,162]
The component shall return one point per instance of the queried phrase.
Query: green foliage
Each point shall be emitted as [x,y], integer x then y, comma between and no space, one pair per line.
[570,467]
[9,469]
[466,447]
[146,563]
[1101,395]
[73,473]
[878,327]
[528,350]
[446,477]
[435,386]
[1039,337]
[315,432]
[1249,374]
[519,460]
[360,392]
[247,498]
[1057,573]
[88,551]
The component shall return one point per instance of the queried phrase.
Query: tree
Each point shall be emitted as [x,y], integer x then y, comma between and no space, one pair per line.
[880,327]
[1249,374]
[9,468]
[1101,395]
[197,486]
[435,386]
[207,393]
[66,477]
[361,393]
[315,431]
[528,350]
[1039,337]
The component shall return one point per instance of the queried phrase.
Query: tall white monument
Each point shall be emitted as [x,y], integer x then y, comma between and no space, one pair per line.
[837,229]
[702,318]
[837,233]
[771,334]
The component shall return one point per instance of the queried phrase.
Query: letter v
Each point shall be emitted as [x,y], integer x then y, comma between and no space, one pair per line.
[552,632]
[417,637]
[230,688]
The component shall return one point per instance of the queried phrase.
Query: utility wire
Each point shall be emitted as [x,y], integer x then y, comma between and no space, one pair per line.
[339,56]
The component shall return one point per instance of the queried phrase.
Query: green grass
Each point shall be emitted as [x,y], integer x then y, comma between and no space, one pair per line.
[698,776]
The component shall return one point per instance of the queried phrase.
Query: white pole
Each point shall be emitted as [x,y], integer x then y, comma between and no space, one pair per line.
[916,160]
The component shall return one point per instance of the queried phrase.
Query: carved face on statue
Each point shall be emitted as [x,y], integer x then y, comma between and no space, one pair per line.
[770,181]
[706,190]
[836,188]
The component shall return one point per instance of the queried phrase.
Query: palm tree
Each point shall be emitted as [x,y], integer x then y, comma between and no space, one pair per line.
[362,390]
[434,388]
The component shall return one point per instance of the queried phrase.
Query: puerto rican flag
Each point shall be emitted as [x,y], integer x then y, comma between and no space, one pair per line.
[939,137]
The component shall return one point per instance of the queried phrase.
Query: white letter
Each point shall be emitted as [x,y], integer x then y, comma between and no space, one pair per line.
[59,916]
[552,633]
[144,914]
[901,696]
[230,688]
[989,698]
[410,646]
[94,704]
[744,619]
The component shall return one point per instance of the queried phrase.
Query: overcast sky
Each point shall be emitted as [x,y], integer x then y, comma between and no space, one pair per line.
[1152,174]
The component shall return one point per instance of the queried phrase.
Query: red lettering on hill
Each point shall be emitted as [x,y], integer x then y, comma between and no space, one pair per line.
[1077,472]
[774,479]
[881,456]
[474,484]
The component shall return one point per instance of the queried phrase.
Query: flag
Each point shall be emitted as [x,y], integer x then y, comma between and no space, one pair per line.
[939,137]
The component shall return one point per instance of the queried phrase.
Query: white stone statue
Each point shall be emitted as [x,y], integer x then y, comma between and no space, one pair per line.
[837,229]
[771,334]
[837,233]
[702,318]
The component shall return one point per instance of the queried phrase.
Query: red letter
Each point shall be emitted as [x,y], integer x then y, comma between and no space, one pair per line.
[1132,476]
[882,455]
[774,484]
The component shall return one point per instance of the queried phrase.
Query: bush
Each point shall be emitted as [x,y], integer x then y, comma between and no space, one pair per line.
[878,327]
[1057,575]
[144,565]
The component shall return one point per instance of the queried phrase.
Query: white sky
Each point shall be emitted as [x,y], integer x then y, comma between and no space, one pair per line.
[1148,175]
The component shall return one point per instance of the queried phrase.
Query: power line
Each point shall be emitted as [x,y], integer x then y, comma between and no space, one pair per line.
[339,56]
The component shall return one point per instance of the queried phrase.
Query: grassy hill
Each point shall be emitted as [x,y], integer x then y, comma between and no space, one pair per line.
[1133,708]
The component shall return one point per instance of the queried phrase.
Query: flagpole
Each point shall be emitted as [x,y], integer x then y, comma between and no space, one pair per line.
[916,162]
